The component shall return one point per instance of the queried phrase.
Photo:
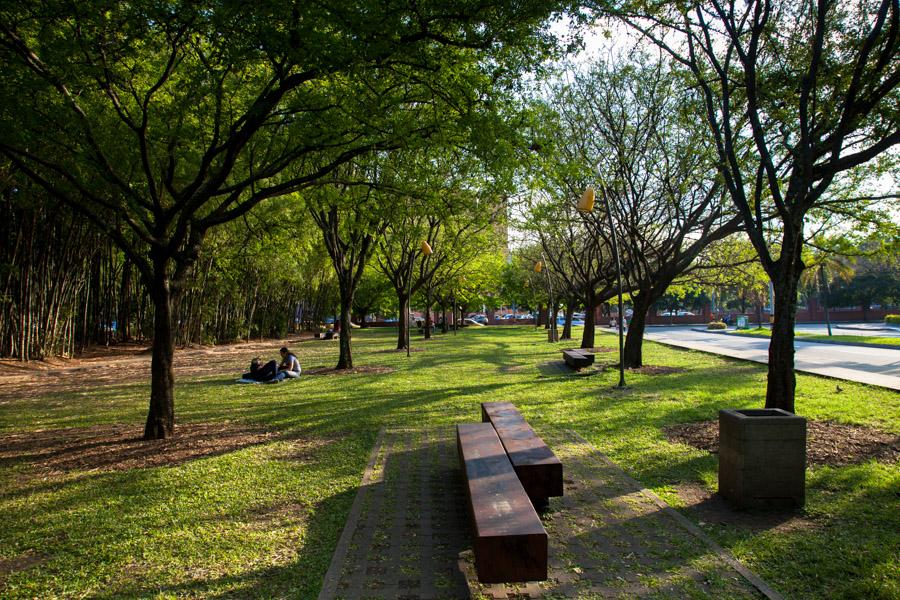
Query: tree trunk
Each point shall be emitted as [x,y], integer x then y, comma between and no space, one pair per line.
[634,339]
[587,337]
[538,320]
[428,321]
[445,325]
[781,380]
[345,360]
[567,327]
[124,318]
[161,417]
[403,320]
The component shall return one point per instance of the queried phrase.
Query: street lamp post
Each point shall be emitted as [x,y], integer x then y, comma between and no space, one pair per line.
[586,205]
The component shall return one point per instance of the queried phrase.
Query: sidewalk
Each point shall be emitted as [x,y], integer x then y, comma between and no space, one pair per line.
[407,534]
[865,364]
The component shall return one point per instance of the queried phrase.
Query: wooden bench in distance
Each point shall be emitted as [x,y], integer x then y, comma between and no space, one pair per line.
[578,359]
[539,470]
[510,542]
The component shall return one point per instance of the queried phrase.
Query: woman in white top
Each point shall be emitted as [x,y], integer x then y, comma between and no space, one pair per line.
[290,366]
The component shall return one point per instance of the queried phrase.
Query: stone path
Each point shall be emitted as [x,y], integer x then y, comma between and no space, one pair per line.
[407,536]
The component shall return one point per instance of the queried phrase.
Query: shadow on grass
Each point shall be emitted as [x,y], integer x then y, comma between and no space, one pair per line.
[140,530]
[301,577]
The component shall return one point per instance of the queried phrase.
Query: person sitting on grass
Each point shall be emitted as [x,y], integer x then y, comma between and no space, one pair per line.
[289,366]
[272,372]
[262,373]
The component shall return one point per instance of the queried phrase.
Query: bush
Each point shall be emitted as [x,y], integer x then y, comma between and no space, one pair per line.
[892,319]
[716,325]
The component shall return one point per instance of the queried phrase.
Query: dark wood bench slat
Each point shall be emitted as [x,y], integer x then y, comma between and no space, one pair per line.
[510,542]
[539,470]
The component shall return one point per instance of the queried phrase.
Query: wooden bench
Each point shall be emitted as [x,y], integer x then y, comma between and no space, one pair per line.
[578,359]
[539,470]
[510,542]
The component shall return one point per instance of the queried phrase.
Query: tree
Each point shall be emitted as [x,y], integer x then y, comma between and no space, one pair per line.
[826,265]
[732,269]
[653,170]
[579,254]
[351,219]
[796,96]
[160,121]
[461,239]
[876,274]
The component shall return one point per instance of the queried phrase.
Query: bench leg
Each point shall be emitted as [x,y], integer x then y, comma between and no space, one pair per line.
[540,504]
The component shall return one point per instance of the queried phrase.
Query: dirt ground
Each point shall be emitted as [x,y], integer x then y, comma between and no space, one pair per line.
[129,363]
[120,448]
[827,443]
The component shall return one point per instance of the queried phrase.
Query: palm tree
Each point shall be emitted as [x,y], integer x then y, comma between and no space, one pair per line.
[823,268]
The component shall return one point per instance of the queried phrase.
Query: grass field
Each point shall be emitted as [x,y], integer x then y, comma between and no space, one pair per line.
[875,340]
[262,517]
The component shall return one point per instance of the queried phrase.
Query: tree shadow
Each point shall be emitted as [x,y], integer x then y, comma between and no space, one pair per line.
[299,578]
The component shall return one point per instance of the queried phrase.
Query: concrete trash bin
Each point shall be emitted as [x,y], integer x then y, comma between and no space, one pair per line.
[762,458]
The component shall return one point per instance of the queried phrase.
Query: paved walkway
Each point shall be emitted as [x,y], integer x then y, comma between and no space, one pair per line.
[407,533]
[875,366]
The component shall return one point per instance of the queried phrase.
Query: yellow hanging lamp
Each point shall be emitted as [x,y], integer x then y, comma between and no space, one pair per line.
[586,204]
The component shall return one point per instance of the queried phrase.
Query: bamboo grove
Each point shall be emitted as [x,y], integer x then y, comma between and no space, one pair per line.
[66,286]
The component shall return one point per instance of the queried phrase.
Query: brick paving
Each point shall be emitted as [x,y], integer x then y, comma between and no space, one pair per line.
[407,536]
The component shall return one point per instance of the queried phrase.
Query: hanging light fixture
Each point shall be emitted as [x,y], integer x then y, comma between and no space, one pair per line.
[538,266]
[426,248]
[586,203]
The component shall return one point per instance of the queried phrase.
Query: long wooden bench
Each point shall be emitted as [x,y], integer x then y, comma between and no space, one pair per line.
[510,542]
[578,359]
[539,470]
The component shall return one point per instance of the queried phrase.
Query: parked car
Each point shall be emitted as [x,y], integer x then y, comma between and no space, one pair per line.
[676,313]
[480,319]
[472,321]
[575,322]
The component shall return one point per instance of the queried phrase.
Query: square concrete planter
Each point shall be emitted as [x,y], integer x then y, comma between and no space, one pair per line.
[762,458]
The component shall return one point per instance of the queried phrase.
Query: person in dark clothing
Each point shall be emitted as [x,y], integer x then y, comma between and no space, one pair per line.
[267,372]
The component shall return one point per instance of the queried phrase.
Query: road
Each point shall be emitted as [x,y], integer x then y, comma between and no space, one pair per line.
[875,366]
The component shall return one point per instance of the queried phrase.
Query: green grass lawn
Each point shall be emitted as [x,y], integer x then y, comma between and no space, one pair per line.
[875,340]
[263,520]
